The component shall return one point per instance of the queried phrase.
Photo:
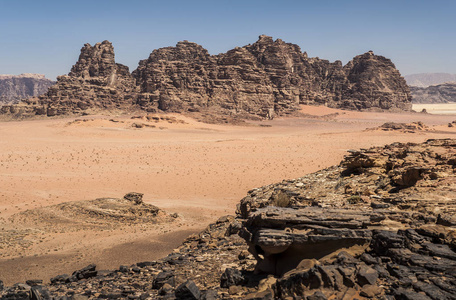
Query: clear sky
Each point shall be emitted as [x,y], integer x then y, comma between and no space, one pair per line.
[45,37]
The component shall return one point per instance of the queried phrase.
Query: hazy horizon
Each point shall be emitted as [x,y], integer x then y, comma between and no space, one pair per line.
[45,37]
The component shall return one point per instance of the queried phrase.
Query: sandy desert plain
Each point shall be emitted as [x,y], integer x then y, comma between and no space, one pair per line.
[199,171]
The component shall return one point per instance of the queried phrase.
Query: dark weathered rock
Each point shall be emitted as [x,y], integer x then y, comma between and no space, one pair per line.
[188,291]
[85,272]
[34,282]
[417,181]
[162,278]
[39,293]
[134,197]
[60,279]
[166,289]
[280,238]
[366,275]
[231,277]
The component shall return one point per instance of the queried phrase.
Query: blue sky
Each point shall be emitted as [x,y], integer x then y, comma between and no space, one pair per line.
[46,36]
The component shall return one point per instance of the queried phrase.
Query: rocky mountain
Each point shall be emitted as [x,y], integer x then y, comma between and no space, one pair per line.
[262,79]
[427,79]
[96,81]
[17,87]
[380,225]
[441,93]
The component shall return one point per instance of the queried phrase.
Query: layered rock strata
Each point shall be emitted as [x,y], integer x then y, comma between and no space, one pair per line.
[95,82]
[380,225]
[442,93]
[262,79]
[267,77]
[17,87]
[413,127]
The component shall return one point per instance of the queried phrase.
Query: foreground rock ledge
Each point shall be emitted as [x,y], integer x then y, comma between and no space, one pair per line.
[381,225]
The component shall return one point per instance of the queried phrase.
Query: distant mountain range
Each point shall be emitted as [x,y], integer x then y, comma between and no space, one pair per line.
[427,79]
[18,87]
[441,93]
[432,87]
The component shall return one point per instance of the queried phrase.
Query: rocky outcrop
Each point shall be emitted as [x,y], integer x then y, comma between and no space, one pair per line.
[95,82]
[18,87]
[101,213]
[267,77]
[380,225]
[187,78]
[262,79]
[413,127]
[442,93]
[375,83]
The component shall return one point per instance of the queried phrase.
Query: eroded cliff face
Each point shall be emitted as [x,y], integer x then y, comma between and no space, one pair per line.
[375,82]
[442,93]
[96,81]
[263,79]
[14,88]
[267,77]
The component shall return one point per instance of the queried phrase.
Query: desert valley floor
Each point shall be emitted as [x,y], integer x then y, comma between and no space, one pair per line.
[199,171]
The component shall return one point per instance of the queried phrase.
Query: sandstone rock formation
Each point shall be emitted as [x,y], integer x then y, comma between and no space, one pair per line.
[442,93]
[381,225]
[375,82]
[14,88]
[413,127]
[266,78]
[96,81]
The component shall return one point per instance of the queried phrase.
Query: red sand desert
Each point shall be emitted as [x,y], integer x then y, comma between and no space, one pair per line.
[197,170]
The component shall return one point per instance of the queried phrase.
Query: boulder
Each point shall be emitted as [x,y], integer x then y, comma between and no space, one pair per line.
[188,291]
[231,277]
[134,197]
